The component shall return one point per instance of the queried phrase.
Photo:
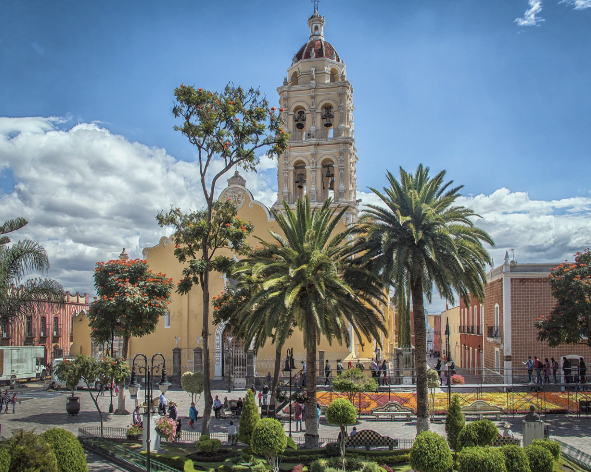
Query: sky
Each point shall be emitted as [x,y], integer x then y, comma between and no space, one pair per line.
[497,93]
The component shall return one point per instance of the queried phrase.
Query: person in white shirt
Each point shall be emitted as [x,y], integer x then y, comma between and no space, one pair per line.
[162,404]
[232,434]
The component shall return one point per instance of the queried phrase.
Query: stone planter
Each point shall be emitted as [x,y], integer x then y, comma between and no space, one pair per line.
[73,406]
[134,437]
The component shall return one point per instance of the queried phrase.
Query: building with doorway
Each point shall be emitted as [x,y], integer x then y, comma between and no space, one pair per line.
[50,326]
[515,296]
[471,336]
[316,102]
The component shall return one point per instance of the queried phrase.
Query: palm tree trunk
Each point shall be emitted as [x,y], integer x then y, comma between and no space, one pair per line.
[121,410]
[420,354]
[276,377]
[311,436]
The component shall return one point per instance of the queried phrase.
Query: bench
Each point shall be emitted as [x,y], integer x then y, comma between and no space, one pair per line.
[482,408]
[370,439]
[392,410]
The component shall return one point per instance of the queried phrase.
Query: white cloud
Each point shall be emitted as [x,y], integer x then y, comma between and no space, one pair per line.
[88,193]
[578,4]
[530,17]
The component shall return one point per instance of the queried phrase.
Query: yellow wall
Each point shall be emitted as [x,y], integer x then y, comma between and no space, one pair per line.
[454,337]
[80,335]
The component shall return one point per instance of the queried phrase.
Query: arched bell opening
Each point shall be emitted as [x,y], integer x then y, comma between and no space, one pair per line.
[294,78]
[300,181]
[299,124]
[334,75]
[328,179]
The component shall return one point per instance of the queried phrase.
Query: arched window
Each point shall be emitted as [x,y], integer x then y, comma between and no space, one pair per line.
[300,184]
[294,78]
[43,327]
[167,319]
[334,74]
[299,124]
[328,179]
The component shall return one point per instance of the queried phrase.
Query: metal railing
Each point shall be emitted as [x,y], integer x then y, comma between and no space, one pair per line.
[573,454]
[493,331]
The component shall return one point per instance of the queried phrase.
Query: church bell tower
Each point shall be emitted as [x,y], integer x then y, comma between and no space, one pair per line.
[316,102]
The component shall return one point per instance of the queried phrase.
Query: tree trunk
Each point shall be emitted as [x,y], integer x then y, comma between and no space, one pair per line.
[275,377]
[121,410]
[311,436]
[420,354]
[206,368]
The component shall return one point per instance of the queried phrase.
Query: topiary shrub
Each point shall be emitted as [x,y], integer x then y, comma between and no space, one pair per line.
[29,452]
[333,449]
[351,463]
[515,459]
[341,412]
[370,467]
[540,458]
[68,450]
[552,446]
[207,446]
[269,440]
[4,460]
[430,453]
[477,433]
[481,459]
[318,465]
[454,422]
[248,419]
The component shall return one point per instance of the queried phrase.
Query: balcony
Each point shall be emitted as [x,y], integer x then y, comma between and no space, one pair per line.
[29,336]
[43,334]
[493,333]
[56,333]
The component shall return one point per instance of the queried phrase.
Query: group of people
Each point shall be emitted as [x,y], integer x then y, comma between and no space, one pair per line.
[300,414]
[543,371]
[445,372]
[6,399]
[378,369]
[219,406]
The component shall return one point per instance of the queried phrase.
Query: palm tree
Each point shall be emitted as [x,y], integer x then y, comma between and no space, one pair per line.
[420,240]
[310,282]
[20,295]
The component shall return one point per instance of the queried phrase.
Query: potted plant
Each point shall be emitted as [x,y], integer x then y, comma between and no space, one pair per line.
[457,379]
[134,432]
[166,428]
[70,373]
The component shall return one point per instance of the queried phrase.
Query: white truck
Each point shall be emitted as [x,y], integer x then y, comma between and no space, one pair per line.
[22,363]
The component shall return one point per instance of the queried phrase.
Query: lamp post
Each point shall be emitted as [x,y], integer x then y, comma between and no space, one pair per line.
[449,364]
[289,366]
[148,392]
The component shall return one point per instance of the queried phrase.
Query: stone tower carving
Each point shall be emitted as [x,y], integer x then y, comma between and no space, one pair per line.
[317,103]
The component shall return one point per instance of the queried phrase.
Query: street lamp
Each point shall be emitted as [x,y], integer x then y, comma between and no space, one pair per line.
[134,388]
[289,366]
[449,364]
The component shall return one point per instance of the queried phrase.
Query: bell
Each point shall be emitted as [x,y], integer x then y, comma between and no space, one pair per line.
[328,174]
[328,123]
[300,125]
[331,185]
[301,181]
[327,117]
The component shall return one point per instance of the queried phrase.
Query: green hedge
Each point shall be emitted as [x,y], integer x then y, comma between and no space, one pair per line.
[4,460]
[540,458]
[430,453]
[68,450]
[477,433]
[481,459]
[515,459]
[552,446]
[29,452]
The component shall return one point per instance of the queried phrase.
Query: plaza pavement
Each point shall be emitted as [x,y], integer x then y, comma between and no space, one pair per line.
[42,410]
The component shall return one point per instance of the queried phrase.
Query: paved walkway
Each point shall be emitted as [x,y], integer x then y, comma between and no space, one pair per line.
[40,411]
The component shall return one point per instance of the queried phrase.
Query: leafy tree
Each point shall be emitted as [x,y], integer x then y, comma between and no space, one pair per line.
[341,412]
[249,418]
[418,239]
[314,285]
[90,371]
[570,320]
[454,421]
[192,382]
[269,440]
[228,129]
[131,299]
[21,295]
[352,382]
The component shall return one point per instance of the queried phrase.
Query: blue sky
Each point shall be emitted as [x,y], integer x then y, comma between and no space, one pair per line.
[495,92]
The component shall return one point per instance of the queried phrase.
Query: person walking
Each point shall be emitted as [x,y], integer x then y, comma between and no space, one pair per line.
[582,371]
[14,400]
[318,415]
[327,372]
[339,367]
[438,369]
[373,367]
[530,368]
[173,411]
[566,369]
[162,404]
[232,434]
[385,380]
[193,414]
[554,369]
[546,370]
[538,366]
[265,395]
[137,418]
[298,416]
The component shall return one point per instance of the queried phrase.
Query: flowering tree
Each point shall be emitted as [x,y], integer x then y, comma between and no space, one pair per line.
[228,129]
[130,300]
[570,320]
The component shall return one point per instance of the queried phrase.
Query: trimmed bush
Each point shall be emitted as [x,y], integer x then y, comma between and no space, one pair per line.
[29,452]
[370,467]
[318,465]
[515,459]
[552,446]
[248,418]
[430,453]
[481,459]
[332,469]
[208,446]
[540,458]
[351,463]
[269,440]
[332,449]
[477,433]
[454,422]
[4,460]
[68,450]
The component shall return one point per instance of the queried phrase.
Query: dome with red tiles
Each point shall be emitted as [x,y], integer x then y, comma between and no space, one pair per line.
[320,47]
